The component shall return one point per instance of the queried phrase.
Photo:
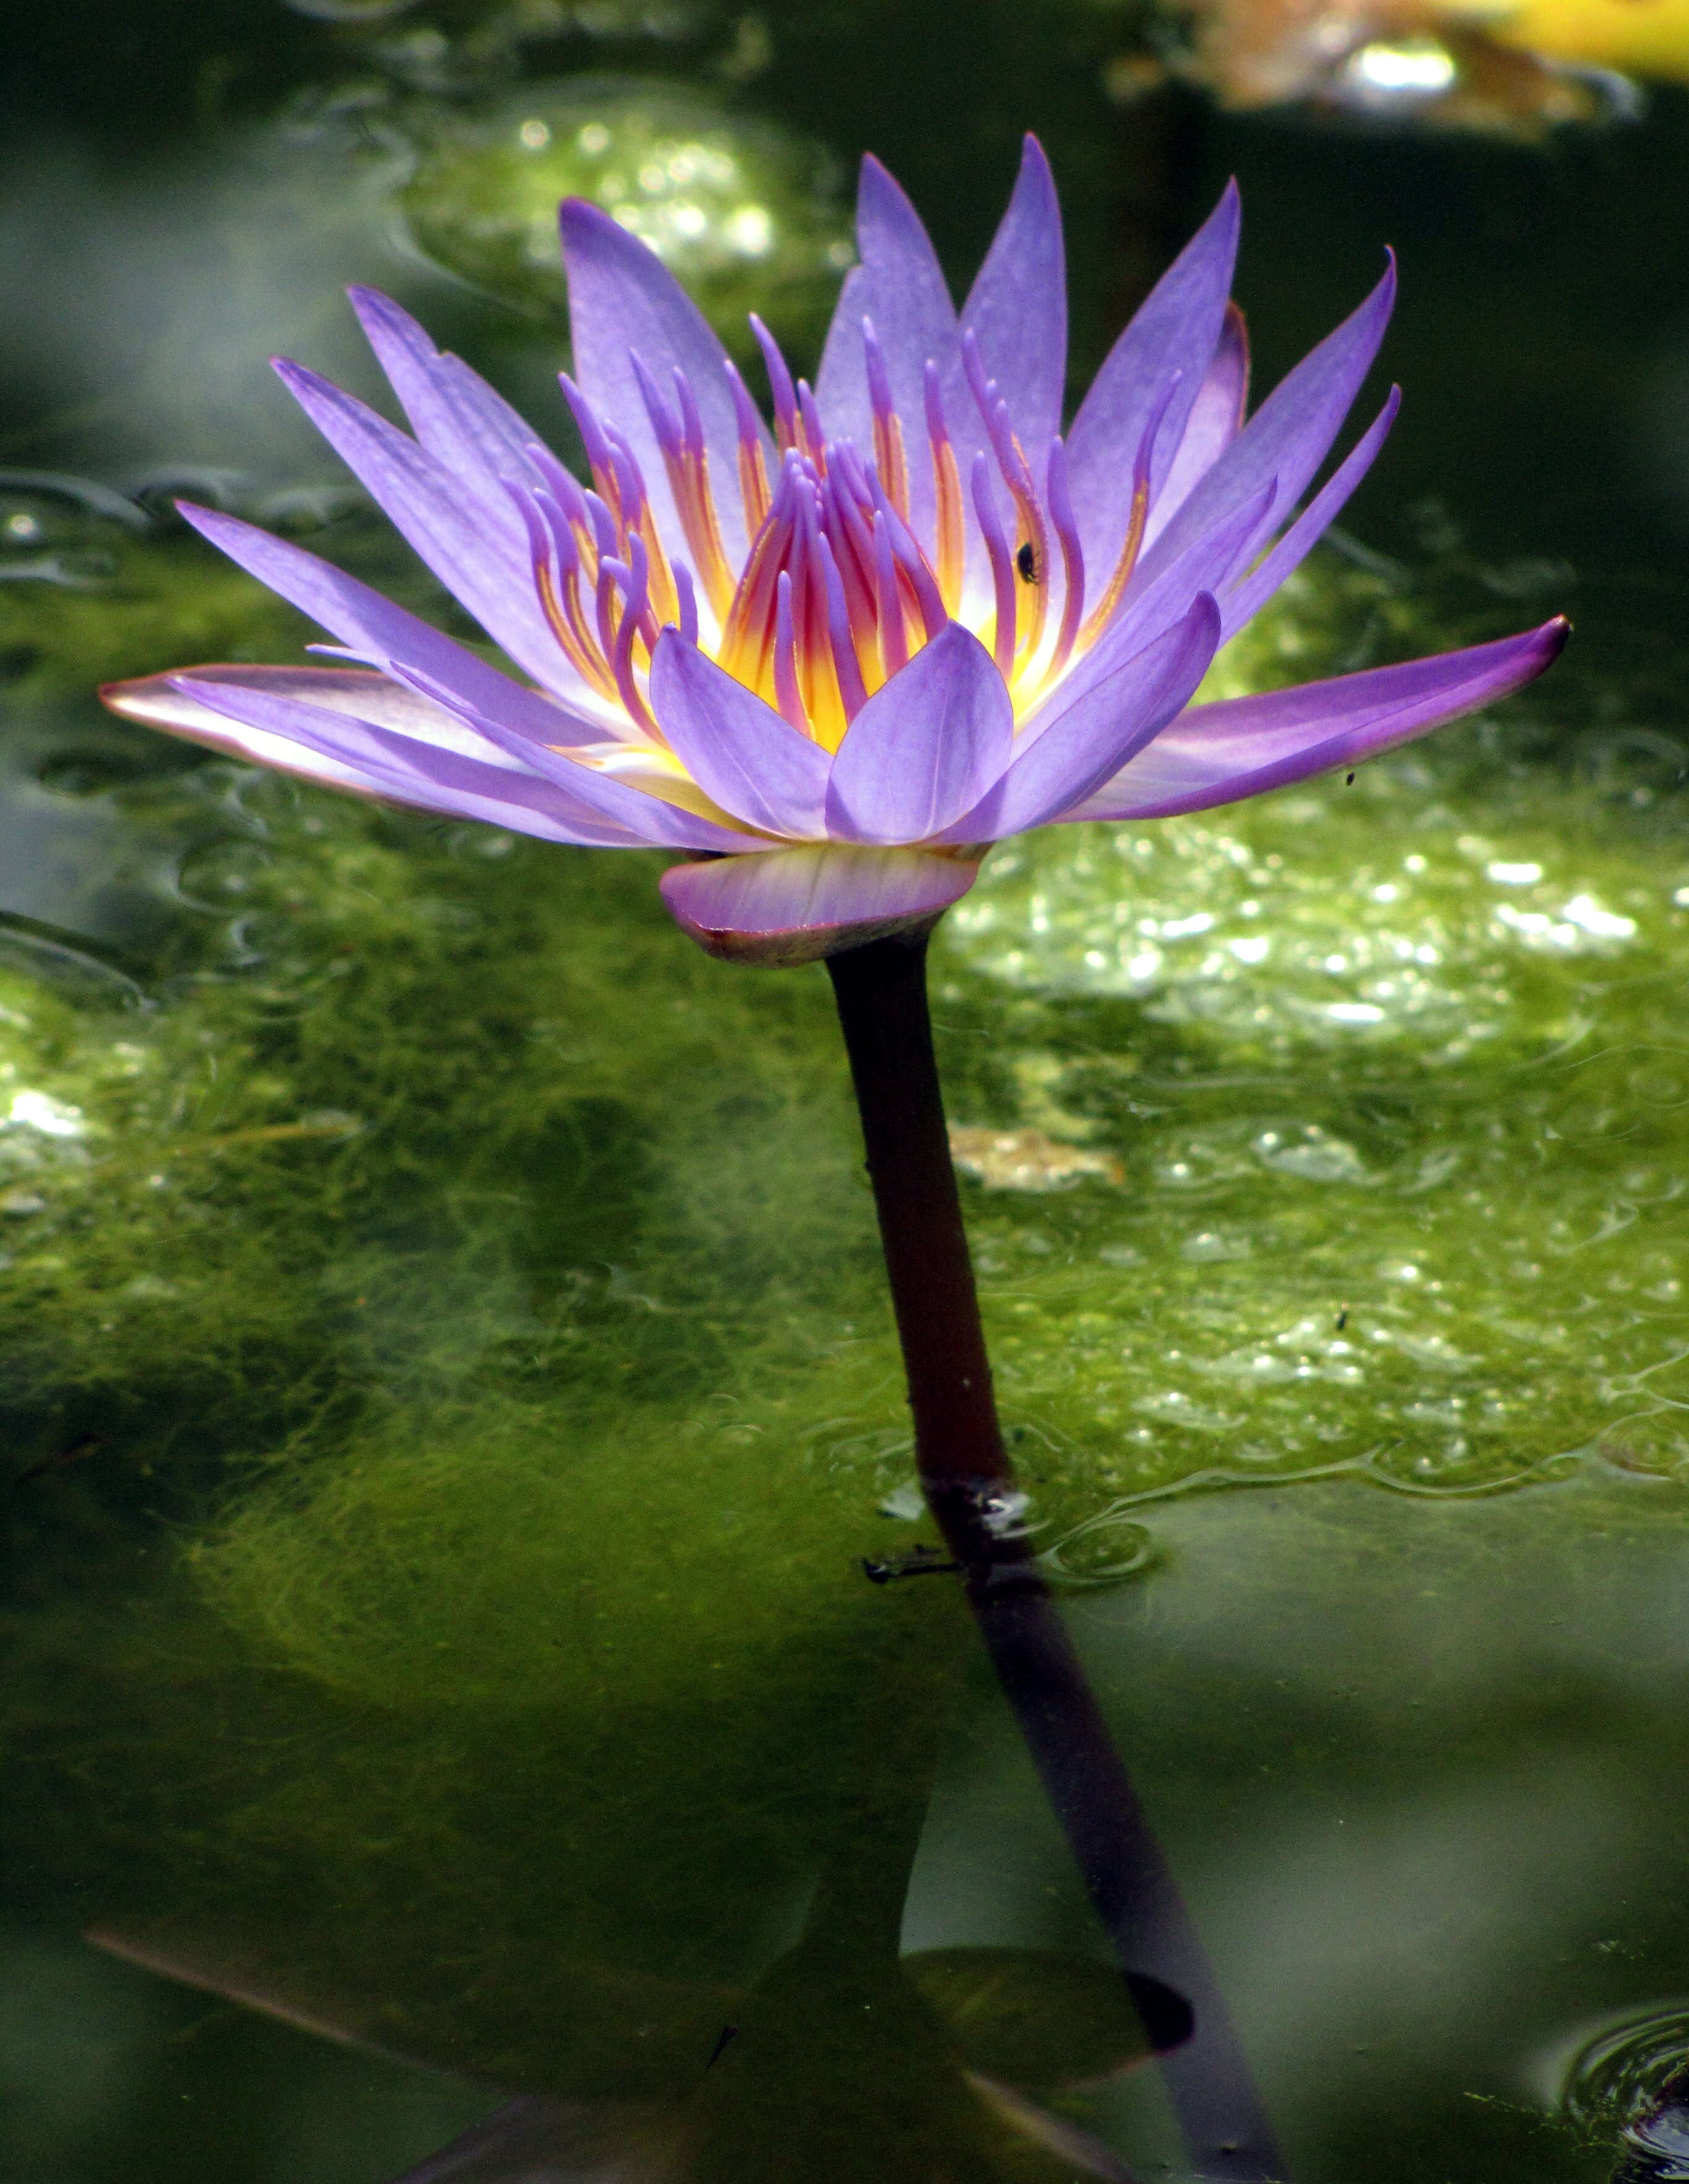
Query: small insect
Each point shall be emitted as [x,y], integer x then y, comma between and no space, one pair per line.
[1348,781]
[1026,561]
[724,2040]
[1342,1319]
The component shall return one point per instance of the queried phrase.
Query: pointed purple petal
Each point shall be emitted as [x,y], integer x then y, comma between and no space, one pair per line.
[641,810]
[1244,746]
[481,555]
[797,906]
[1177,330]
[1287,438]
[622,298]
[155,702]
[453,411]
[925,748]
[1092,738]
[533,728]
[1017,307]
[1216,420]
[1206,566]
[376,629]
[738,750]
[900,286]
[403,768]
[1305,533]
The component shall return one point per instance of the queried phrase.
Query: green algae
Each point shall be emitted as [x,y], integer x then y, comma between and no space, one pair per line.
[414,1114]
[744,212]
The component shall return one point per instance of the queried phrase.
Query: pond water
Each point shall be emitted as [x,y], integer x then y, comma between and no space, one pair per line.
[448,1389]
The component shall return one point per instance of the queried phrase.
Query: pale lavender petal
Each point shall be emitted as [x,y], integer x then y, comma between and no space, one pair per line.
[371,697]
[1248,597]
[1092,738]
[623,299]
[1287,438]
[646,814]
[900,285]
[1216,419]
[377,630]
[796,905]
[738,750]
[925,748]
[533,727]
[480,554]
[1017,307]
[1243,746]
[155,702]
[453,411]
[402,768]
[1177,330]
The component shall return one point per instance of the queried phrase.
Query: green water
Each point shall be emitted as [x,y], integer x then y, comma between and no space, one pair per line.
[448,1388]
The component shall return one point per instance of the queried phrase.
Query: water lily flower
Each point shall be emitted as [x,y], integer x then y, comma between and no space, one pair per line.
[832,662]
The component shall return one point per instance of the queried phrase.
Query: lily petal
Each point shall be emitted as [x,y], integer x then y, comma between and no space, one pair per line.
[1208,566]
[479,554]
[1258,587]
[1244,746]
[1091,739]
[623,300]
[900,285]
[1287,438]
[156,702]
[925,748]
[533,728]
[1178,329]
[377,630]
[400,768]
[797,906]
[1216,419]
[1017,307]
[453,411]
[739,752]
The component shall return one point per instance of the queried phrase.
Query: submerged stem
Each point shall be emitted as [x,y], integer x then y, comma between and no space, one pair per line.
[965,1471]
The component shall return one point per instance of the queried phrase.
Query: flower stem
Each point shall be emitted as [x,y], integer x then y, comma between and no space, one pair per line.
[881,990]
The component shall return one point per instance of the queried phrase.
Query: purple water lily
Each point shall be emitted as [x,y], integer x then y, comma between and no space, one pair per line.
[831,663]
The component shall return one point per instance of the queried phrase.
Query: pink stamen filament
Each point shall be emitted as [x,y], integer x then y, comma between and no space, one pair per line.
[780,387]
[851,692]
[699,508]
[1072,559]
[1002,566]
[814,439]
[889,458]
[1132,545]
[686,601]
[788,698]
[950,526]
[753,470]
[1016,476]
[635,587]
[893,635]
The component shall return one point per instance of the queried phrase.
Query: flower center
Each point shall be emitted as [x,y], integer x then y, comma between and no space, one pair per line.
[837,591]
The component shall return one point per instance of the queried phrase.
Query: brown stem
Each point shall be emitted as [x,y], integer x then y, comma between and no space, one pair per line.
[882,994]
[881,990]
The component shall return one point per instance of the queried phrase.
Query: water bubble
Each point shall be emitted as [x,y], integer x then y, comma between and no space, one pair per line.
[1109,1550]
